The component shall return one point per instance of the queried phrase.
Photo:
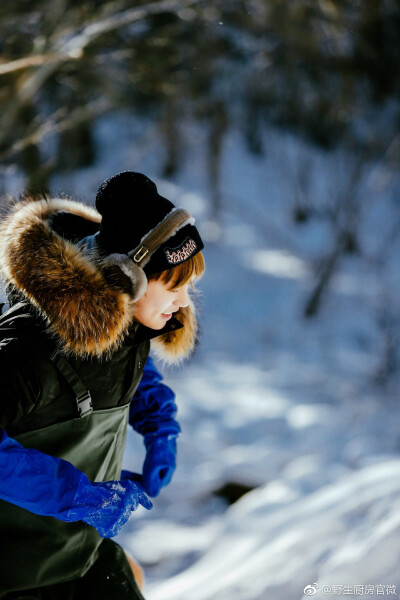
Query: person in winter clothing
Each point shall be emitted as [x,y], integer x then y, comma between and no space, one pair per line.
[90,290]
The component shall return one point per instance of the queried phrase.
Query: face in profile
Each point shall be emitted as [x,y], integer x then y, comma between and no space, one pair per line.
[159,303]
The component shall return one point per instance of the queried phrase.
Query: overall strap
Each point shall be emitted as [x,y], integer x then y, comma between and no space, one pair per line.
[83,397]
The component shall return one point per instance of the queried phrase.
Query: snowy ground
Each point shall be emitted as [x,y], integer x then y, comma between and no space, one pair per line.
[286,406]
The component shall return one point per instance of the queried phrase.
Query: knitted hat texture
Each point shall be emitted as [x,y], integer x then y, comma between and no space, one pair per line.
[131,207]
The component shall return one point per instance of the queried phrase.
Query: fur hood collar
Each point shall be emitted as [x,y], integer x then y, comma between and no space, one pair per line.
[87,315]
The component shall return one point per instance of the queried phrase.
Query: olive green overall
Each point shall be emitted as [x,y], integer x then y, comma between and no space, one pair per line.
[45,547]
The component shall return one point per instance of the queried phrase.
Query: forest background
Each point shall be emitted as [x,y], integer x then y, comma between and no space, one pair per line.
[277,123]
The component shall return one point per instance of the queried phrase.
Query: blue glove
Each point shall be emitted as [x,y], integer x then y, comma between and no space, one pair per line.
[53,487]
[152,414]
[158,467]
[108,505]
[43,484]
[153,409]
[159,464]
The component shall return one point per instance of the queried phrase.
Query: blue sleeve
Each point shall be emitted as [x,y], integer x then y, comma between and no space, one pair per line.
[153,409]
[42,484]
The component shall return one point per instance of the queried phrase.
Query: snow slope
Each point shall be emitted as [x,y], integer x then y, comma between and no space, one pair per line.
[284,405]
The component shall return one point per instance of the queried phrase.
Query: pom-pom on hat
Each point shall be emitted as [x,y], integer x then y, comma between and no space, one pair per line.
[133,213]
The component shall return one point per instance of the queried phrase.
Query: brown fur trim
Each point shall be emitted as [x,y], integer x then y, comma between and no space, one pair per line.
[176,345]
[88,316]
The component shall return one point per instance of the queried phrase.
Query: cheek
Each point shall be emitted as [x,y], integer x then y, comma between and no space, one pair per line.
[154,303]
[158,304]
[142,307]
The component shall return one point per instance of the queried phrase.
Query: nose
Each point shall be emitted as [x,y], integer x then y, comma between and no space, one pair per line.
[182,299]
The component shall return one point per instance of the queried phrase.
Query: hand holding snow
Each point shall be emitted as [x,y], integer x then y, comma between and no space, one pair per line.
[108,505]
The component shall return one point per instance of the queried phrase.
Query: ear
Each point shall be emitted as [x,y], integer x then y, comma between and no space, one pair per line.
[120,271]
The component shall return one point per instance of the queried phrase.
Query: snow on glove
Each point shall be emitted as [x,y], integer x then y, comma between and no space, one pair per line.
[159,464]
[52,487]
[108,505]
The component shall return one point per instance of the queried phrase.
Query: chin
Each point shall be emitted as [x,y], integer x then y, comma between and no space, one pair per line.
[157,325]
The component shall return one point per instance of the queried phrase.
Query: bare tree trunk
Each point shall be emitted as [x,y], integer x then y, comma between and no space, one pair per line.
[389,325]
[37,174]
[253,126]
[219,123]
[329,267]
[75,147]
[345,215]
[170,129]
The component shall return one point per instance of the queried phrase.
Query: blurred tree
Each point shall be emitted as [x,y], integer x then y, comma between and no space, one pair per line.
[308,65]
[320,68]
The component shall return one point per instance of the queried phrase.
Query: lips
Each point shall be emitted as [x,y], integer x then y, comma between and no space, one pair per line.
[170,314]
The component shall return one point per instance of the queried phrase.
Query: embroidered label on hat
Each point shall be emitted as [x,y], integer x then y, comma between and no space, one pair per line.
[177,255]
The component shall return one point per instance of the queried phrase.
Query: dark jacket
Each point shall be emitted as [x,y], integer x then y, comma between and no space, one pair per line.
[63,305]
[69,329]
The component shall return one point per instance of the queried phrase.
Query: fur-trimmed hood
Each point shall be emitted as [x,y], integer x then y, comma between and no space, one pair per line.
[86,314]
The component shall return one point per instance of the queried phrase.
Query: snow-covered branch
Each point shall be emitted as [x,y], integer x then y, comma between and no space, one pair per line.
[66,47]
[56,123]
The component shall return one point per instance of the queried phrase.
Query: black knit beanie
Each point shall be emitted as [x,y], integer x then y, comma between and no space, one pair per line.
[131,207]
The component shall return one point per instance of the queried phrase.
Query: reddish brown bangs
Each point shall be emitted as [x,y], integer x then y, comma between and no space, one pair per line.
[186,272]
